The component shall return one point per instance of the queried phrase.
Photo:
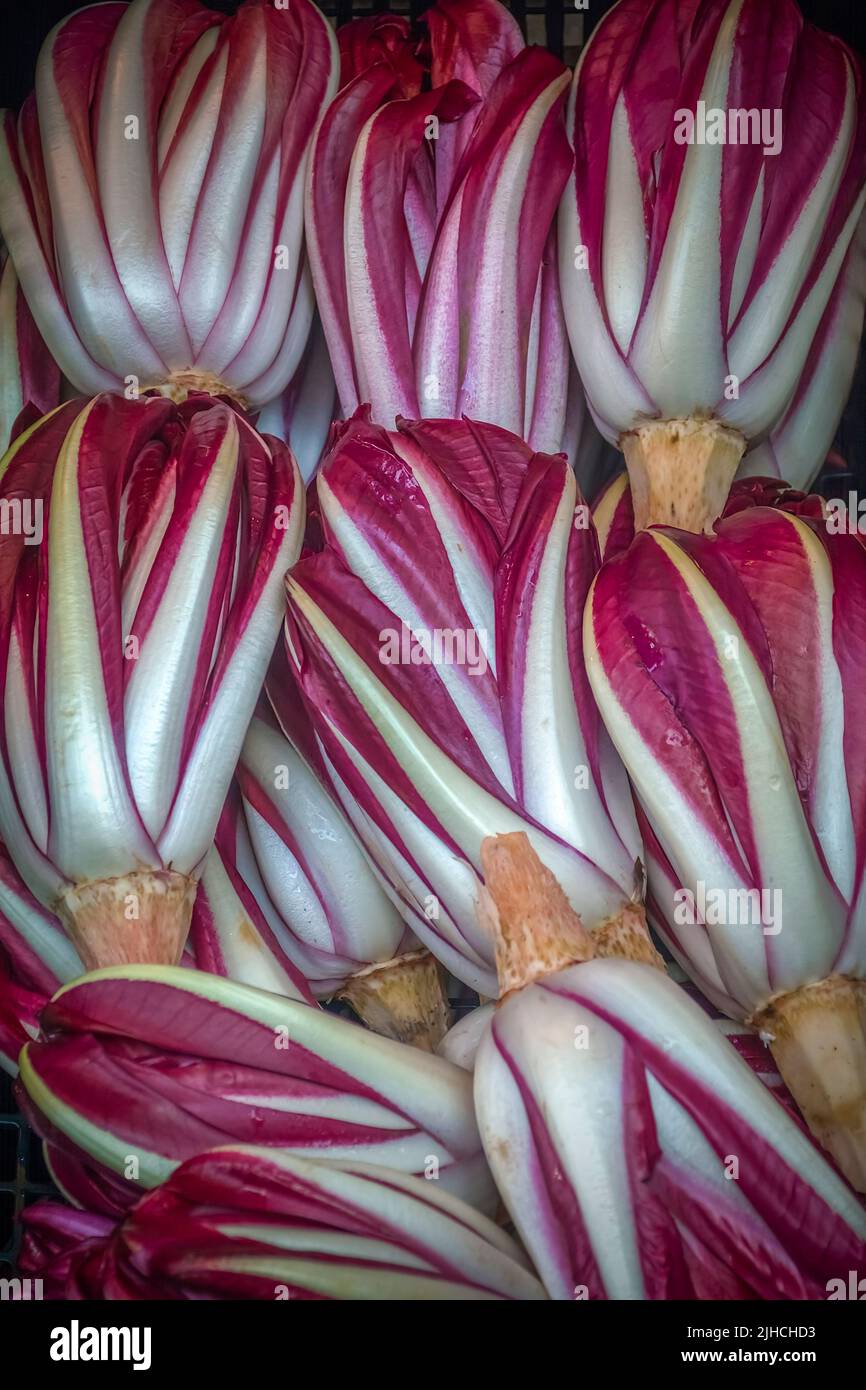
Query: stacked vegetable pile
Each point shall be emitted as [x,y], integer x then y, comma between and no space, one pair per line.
[322,682]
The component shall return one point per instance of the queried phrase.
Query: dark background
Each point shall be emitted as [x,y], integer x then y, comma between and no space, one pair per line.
[25,23]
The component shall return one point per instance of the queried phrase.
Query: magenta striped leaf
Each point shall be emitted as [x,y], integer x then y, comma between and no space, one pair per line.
[305,866]
[32,939]
[461,1042]
[449,699]
[247,1223]
[745,753]
[229,933]
[134,640]
[153,193]
[490,339]
[328,177]
[389,146]
[641,1158]
[798,446]
[736,742]
[187,1060]
[462,183]
[694,260]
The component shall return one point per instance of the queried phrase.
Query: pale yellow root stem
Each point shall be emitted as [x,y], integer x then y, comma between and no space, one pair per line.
[181,384]
[627,936]
[140,918]
[535,929]
[817,1035]
[681,471]
[403,998]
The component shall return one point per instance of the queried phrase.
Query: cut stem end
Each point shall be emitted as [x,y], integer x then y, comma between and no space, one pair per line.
[403,999]
[627,936]
[182,384]
[141,918]
[534,927]
[817,1035]
[681,471]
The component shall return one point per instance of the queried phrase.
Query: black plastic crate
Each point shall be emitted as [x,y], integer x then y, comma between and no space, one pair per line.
[23,1174]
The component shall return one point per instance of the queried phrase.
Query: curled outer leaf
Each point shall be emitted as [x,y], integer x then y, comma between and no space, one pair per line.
[471,41]
[20,1008]
[245,1222]
[54,1240]
[460,1043]
[187,1060]
[380,38]
[613,513]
